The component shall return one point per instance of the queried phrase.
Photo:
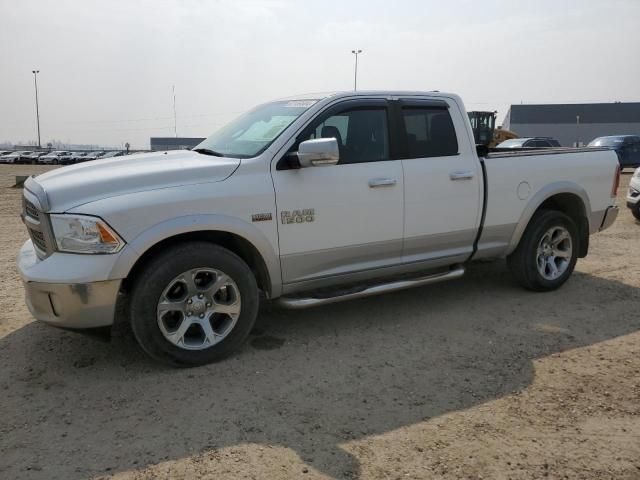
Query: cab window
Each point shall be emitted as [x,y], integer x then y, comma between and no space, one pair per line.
[429,132]
[362,134]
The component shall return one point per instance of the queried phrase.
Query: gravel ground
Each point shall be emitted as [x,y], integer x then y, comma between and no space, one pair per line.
[475,378]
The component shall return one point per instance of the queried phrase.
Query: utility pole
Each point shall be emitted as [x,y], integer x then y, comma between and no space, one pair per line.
[355,74]
[577,131]
[175,123]
[35,81]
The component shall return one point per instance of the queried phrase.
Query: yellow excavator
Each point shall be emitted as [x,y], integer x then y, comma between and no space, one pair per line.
[484,129]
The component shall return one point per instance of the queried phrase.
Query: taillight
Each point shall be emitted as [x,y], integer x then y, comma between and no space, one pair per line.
[616,182]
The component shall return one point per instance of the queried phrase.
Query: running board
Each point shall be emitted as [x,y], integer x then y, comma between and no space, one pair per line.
[393,286]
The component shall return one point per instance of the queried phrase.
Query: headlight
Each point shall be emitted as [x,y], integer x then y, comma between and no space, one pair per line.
[83,234]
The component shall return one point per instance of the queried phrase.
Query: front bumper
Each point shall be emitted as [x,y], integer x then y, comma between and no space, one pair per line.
[69,291]
[610,216]
[633,195]
[74,305]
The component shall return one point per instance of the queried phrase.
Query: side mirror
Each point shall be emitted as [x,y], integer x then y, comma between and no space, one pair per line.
[318,152]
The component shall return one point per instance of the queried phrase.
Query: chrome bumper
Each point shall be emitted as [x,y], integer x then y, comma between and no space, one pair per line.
[609,217]
[79,305]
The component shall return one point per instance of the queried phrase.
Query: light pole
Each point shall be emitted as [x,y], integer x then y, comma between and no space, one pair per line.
[355,74]
[175,123]
[35,81]
[577,131]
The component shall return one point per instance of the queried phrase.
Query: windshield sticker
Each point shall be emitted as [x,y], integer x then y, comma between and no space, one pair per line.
[300,103]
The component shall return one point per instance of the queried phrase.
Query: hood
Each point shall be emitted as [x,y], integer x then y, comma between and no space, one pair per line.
[75,185]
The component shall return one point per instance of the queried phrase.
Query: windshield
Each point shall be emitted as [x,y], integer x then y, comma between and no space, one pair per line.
[515,142]
[606,142]
[253,132]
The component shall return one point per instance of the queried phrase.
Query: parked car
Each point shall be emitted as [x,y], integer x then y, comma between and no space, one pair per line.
[633,195]
[15,157]
[67,159]
[77,156]
[309,201]
[32,157]
[531,142]
[627,148]
[92,156]
[5,152]
[54,158]
[116,153]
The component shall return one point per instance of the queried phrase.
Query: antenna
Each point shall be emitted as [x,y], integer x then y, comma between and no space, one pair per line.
[175,123]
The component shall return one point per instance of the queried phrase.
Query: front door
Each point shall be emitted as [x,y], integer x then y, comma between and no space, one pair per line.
[345,218]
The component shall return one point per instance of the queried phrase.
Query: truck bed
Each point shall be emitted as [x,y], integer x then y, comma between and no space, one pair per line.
[520,152]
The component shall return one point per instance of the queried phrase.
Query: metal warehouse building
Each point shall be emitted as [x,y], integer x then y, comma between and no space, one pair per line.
[573,124]
[173,143]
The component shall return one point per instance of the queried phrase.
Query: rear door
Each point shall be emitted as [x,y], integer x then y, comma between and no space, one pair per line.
[346,218]
[442,182]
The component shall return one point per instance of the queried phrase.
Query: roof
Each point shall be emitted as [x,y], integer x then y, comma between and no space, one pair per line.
[568,113]
[366,93]
[615,136]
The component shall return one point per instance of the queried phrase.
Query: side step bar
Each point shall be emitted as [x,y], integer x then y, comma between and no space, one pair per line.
[393,286]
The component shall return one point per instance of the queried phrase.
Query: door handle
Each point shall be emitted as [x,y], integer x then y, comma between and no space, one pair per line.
[461,175]
[382,182]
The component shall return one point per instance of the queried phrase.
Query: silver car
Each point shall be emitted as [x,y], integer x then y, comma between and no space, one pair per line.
[15,157]
[54,158]
[32,157]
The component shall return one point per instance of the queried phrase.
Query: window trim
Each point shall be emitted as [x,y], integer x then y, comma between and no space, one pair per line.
[418,103]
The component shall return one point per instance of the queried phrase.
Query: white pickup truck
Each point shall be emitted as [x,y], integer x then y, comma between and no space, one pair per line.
[304,201]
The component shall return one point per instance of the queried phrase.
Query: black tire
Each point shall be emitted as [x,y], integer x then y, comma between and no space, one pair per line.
[55,162]
[157,275]
[635,211]
[523,261]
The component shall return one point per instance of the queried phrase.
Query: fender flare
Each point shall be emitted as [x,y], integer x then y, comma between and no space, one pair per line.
[538,199]
[137,247]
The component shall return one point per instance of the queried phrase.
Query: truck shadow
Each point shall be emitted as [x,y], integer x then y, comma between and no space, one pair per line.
[75,407]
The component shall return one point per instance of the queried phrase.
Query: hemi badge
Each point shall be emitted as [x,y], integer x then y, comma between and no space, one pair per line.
[261,217]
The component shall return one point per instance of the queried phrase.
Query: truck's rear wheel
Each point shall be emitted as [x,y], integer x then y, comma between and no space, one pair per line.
[547,252]
[193,304]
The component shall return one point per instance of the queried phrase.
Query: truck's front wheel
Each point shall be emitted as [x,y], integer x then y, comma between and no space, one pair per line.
[547,252]
[193,304]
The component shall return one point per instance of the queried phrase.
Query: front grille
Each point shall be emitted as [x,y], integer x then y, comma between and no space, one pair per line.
[38,227]
[31,210]
[38,239]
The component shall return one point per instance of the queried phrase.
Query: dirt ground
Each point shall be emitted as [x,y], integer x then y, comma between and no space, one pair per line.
[475,378]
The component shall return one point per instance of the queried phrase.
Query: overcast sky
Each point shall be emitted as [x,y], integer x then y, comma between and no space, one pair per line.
[107,67]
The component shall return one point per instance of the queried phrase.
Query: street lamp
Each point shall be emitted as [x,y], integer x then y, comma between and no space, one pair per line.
[355,75]
[35,81]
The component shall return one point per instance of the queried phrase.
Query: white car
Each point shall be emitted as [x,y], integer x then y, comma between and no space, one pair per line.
[633,195]
[32,157]
[310,200]
[55,158]
[92,156]
[15,157]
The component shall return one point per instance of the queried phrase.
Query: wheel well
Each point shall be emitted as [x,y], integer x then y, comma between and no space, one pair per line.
[572,206]
[235,243]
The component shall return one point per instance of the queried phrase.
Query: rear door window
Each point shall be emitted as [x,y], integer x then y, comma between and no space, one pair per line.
[429,132]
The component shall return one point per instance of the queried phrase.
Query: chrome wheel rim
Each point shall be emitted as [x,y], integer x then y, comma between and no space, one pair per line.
[554,253]
[198,308]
